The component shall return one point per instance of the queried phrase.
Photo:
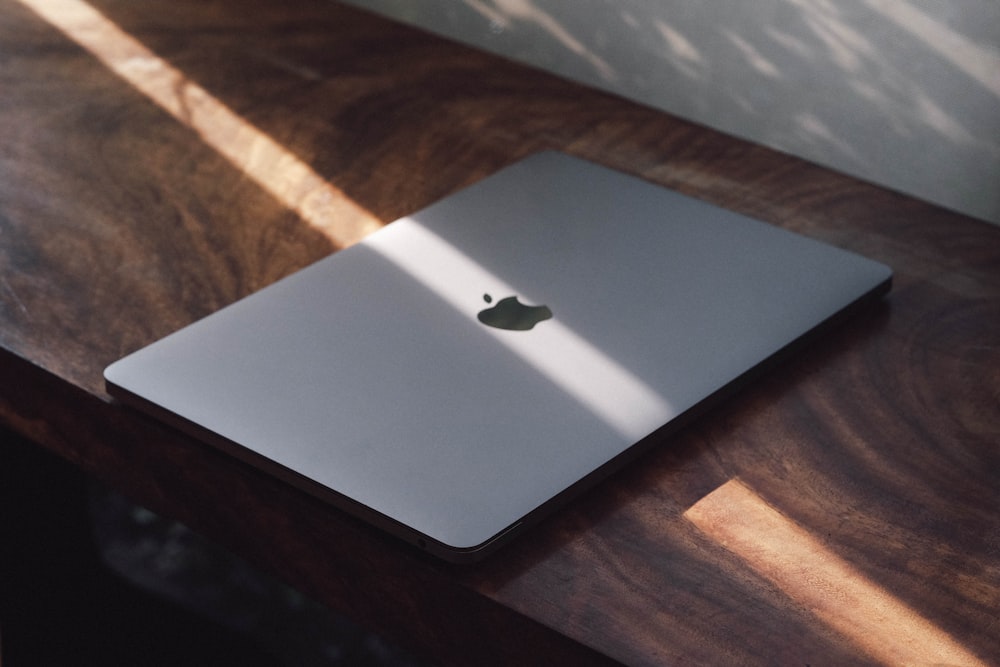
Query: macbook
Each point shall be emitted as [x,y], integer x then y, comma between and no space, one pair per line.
[463,371]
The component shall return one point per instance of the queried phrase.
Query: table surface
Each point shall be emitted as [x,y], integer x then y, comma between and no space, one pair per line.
[160,160]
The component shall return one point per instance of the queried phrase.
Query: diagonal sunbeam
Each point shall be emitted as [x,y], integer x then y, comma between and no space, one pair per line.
[830,588]
[287,178]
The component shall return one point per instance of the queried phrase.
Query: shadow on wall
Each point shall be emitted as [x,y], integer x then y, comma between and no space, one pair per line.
[905,94]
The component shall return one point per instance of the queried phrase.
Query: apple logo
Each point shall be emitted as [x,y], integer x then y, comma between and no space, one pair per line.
[511,314]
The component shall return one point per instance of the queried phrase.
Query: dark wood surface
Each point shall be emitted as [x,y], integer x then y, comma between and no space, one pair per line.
[843,510]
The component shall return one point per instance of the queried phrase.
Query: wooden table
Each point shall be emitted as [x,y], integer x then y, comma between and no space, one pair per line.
[159,160]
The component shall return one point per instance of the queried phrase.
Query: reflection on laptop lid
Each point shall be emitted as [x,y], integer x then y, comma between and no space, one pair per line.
[455,374]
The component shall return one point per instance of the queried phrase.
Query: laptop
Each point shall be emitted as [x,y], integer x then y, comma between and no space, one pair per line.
[464,370]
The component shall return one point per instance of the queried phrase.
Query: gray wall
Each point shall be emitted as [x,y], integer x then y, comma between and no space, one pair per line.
[905,93]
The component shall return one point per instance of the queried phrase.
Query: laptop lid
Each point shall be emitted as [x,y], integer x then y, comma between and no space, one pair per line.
[455,374]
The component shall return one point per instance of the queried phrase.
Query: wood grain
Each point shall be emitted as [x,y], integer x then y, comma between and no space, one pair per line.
[119,224]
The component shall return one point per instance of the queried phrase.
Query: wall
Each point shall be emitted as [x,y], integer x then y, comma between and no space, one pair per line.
[902,93]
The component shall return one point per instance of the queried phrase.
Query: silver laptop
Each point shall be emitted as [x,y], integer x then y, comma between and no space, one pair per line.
[460,372]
